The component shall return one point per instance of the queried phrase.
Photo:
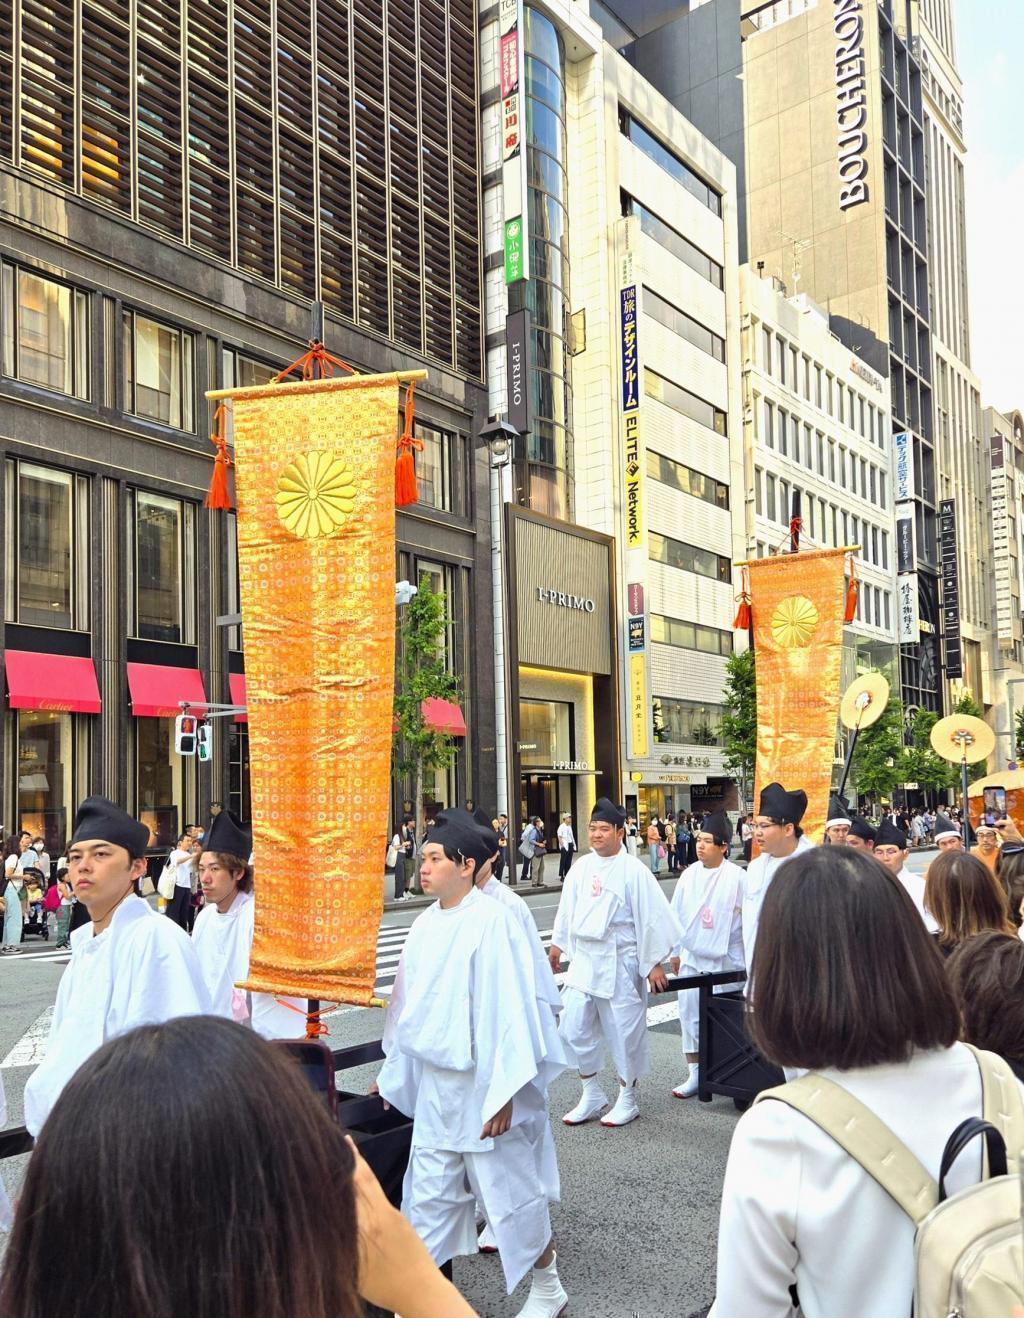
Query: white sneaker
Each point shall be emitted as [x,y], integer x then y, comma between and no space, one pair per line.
[547,1298]
[626,1108]
[689,1087]
[485,1241]
[592,1102]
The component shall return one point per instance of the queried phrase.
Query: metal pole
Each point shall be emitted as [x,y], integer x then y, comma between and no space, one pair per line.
[963,791]
[849,761]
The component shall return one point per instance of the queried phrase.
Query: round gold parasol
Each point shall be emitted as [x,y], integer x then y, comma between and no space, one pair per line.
[962,738]
[864,701]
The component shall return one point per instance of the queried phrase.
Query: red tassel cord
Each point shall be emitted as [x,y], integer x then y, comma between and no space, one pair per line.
[316,364]
[741,623]
[406,489]
[852,591]
[219,495]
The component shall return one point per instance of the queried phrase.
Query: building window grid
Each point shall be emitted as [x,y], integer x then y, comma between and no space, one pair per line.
[674,242]
[44,325]
[683,325]
[686,479]
[690,635]
[667,159]
[689,558]
[297,215]
[686,722]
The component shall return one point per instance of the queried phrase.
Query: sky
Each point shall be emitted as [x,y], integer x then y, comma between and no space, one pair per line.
[990,39]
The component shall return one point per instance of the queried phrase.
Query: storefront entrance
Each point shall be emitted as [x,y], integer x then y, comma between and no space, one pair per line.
[549,795]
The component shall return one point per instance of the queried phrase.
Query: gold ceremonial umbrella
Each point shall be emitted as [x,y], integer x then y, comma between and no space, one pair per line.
[963,739]
[863,703]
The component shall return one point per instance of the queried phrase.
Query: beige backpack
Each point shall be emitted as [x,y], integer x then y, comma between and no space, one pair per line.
[969,1248]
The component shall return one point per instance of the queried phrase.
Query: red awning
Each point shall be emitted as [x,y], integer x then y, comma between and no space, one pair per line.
[443,716]
[51,681]
[236,688]
[157,690]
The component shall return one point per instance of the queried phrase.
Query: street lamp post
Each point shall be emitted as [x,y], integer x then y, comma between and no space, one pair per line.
[500,439]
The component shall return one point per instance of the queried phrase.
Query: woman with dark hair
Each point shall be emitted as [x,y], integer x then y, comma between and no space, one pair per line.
[987,975]
[199,1135]
[965,898]
[847,983]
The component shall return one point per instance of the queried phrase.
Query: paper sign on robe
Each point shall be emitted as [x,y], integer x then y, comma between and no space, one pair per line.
[315,464]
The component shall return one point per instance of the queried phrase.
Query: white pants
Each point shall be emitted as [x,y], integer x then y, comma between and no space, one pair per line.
[689,1001]
[588,1025]
[441,1190]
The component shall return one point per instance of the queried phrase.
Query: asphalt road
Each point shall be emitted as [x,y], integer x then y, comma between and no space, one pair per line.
[637,1225]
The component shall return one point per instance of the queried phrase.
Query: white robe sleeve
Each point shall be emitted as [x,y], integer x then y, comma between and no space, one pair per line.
[6,1211]
[399,1077]
[657,929]
[677,910]
[561,933]
[158,980]
[757,1253]
[512,1042]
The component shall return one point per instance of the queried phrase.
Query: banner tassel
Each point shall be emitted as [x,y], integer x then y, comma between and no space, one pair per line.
[406,489]
[852,591]
[218,495]
[741,623]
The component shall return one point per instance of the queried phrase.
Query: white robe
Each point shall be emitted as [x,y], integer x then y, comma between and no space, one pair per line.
[708,905]
[465,1033]
[756,882]
[914,884]
[141,970]
[223,944]
[615,925]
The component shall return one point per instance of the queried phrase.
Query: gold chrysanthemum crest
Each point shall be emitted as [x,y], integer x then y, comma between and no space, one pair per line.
[315,495]
[794,622]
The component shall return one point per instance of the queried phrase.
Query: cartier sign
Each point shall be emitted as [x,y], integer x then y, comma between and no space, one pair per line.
[851,102]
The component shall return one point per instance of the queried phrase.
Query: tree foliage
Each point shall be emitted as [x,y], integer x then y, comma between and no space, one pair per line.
[1019,740]
[421,673]
[739,722]
[880,763]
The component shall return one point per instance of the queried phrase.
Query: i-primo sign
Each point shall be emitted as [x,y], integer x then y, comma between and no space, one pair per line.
[564,600]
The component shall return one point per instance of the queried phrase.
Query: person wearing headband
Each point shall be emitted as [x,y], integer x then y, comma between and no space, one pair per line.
[616,927]
[129,966]
[837,825]
[708,903]
[861,835]
[778,834]
[469,1054]
[224,929]
[891,847]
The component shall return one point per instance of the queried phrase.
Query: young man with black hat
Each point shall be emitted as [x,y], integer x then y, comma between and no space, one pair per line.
[837,825]
[891,851]
[708,903]
[128,967]
[861,835]
[223,933]
[469,1054]
[947,835]
[616,927]
[778,833]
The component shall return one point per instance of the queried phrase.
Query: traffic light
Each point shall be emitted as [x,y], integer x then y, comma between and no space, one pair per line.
[204,744]
[186,729]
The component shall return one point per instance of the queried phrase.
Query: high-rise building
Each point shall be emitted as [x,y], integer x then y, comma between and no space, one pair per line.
[826,122]
[631,420]
[178,183]
[961,446]
[817,425]
[1005,438]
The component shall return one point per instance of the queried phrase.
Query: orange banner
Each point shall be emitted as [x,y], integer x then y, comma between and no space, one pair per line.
[315,469]
[798,601]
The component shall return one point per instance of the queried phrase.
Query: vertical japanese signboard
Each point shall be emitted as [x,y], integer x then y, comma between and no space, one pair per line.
[903,444]
[634,530]
[950,588]
[513,141]
[909,620]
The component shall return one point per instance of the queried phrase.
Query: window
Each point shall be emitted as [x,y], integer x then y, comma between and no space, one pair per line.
[874,546]
[681,400]
[241,372]
[780,360]
[769,507]
[47,533]
[164,568]
[769,423]
[692,482]
[690,635]
[685,326]
[46,744]
[758,494]
[832,459]
[885,605]
[686,722]
[874,483]
[817,385]
[794,373]
[674,242]
[784,504]
[881,489]
[885,552]
[663,549]
[439,469]
[766,350]
[807,379]
[808,448]
[841,388]
[820,464]
[783,432]
[158,780]
[159,374]
[669,162]
[45,332]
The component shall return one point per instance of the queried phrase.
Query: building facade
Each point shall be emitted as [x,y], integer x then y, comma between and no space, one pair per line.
[961,445]
[817,424]
[178,183]
[1005,434]
[632,249]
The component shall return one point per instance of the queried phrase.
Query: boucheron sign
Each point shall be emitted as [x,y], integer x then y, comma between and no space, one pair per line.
[851,102]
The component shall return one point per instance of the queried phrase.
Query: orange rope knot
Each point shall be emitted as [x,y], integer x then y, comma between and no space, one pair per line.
[741,623]
[852,591]
[316,364]
[406,489]
[219,495]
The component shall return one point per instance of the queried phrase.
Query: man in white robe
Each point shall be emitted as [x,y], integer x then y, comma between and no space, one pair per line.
[223,933]
[616,927]
[469,1054]
[778,834]
[708,903]
[129,966]
[891,850]
[837,825]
